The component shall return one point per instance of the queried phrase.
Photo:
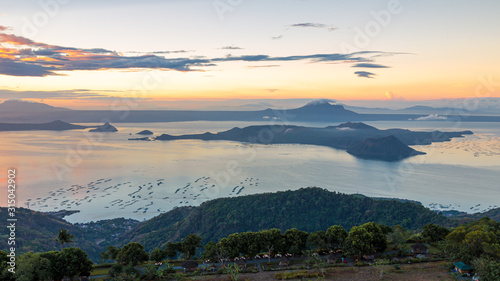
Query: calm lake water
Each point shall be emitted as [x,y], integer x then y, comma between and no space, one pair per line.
[106,176]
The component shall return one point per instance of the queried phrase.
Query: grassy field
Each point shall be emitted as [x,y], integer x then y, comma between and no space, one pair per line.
[418,272]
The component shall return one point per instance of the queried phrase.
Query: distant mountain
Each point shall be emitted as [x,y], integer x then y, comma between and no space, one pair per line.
[417,109]
[387,149]
[493,214]
[422,109]
[315,111]
[51,126]
[362,140]
[27,106]
[356,126]
[321,110]
[307,209]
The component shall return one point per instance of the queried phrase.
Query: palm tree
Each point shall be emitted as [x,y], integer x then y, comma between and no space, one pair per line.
[64,237]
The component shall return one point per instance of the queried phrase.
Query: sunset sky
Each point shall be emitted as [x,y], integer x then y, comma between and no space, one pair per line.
[89,54]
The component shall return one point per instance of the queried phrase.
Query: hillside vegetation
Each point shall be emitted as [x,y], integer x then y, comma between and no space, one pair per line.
[307,209]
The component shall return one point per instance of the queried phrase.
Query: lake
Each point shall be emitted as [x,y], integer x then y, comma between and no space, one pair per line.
[106,176]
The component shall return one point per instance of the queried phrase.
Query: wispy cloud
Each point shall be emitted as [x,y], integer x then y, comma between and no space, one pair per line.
[314,25]
[431,117]
[370,65]
[365,74]
[66,94]
[327,27]
[20,56]
[263,66]
[231,48]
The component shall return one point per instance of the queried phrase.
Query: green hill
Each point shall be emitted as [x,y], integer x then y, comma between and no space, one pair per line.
[35,232]
[307,209]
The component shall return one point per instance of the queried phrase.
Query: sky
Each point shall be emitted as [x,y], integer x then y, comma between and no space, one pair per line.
[158,54]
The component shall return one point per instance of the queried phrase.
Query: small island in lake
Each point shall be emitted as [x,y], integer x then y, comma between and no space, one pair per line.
[105,128]
[145,132]
[358,139]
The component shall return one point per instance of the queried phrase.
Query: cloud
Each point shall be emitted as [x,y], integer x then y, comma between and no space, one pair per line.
[314,25]
[13,68]
[391,96]
[365,74]
[3,28]
[231,48]
[66,94]
[263,66]
[370,65]
[306,25]
[20,56]
[431,117]
[162,52]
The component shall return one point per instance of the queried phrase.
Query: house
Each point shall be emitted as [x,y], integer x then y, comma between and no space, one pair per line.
[241,263]
[369,257]
[284,261]
[462,267]
[332,258]
[189,266]
[419,248]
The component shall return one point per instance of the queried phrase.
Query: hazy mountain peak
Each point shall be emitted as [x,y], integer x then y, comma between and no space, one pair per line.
[320,102]
[21,105]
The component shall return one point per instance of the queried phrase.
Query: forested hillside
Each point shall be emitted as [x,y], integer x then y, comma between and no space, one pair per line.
[307,209]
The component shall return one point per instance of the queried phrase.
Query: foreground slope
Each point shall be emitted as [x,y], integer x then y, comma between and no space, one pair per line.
[307,209]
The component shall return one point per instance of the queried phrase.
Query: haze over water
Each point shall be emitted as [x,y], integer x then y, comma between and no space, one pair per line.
[120,178]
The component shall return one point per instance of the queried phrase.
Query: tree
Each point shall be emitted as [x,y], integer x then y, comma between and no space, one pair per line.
[398,236]
[317,240]
[111,252]
[77,262]
[366,239]
[5,275]
[487,268]
[434,233]
[115,270]
[190,244]
[358,241]
[295,241]
[272,240]
[171,249]
[249,243]
[57,265]
[379,240]
[32,267]
[133,253]
[227,248]
[210,251]
[64,237]
[158,255]
[335,236]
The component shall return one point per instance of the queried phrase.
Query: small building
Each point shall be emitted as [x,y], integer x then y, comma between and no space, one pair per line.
[419,248]
[241,263]
[369,257]
[462,267]
[189,266]
[332,258]
[284,261]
